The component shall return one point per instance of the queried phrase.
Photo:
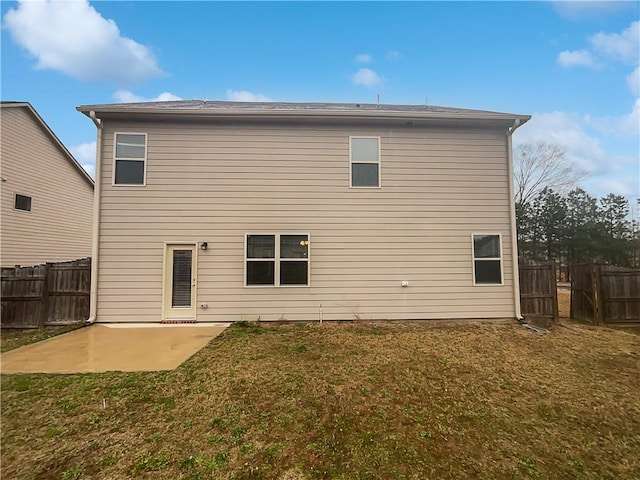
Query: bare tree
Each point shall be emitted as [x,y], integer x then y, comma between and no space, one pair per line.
[541,165]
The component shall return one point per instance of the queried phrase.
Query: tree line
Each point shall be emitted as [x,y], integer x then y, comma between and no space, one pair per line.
[577,228]
[568,225]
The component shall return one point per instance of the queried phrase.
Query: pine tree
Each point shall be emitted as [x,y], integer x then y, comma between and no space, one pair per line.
[615,229]
[581,227]
[550,212]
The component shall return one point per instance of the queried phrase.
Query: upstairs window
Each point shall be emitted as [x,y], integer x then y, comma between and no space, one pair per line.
[130,159]
[277,260]
[487,260]
[364,157]
[22,202]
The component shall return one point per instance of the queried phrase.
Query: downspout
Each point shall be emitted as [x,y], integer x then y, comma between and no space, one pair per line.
[93,298]
[514,228]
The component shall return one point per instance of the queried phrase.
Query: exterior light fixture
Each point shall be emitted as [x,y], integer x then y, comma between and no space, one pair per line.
[204,245]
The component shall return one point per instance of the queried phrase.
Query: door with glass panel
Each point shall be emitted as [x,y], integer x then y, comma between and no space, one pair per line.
[179,299]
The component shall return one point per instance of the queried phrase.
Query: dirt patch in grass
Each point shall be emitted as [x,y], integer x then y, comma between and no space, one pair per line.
[14,337]
[352,401]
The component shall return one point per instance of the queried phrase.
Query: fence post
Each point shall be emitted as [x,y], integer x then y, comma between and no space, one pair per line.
[554,292]
[597,297]
[44,317]
[572,276]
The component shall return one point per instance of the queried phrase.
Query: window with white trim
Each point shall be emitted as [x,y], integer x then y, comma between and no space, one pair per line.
[22,202]
[276,260]
[487,259]
[130,159]
[364,160]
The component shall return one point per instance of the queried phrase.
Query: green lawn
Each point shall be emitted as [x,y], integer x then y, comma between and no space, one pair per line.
[14,338]
[347,401]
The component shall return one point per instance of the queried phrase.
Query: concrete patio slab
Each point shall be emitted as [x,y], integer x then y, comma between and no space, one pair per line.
[103,348]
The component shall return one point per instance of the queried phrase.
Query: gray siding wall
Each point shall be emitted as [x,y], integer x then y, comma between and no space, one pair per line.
[59,225]
[214,183]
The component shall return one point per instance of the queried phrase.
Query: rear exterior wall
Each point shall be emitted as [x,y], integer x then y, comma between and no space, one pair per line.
[215,183]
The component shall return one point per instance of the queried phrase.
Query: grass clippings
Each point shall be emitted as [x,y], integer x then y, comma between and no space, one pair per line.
[354,401]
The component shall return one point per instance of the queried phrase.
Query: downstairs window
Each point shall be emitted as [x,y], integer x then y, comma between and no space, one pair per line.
[276,260]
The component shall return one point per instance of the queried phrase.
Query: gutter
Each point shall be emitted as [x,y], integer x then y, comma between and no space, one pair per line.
[93,297]
[514,232]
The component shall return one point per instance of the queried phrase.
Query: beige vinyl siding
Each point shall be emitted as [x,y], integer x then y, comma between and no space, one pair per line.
[59,225]
[214,183]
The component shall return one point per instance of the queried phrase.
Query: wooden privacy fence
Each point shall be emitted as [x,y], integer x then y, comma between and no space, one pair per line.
[538,293]
[49,294]
[605,294]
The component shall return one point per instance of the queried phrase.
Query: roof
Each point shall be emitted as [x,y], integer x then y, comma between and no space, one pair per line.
[213,109]
[66,153]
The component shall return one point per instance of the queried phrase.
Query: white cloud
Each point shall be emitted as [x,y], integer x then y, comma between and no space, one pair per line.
[616,173]
[581,58]
[244,96]
[621,47]
[607,172]
[126,96]
[627,186]
[364,58]
[606,47]
[85,154]
[367,78]
[624,47]
[73,38]
[565,129]
[630,123]
[633,80]
[166,97]
[627,125]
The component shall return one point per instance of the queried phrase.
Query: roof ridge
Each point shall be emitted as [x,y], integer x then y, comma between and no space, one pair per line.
[222,105]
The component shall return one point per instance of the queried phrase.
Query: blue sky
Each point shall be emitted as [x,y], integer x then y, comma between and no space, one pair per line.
[572,65]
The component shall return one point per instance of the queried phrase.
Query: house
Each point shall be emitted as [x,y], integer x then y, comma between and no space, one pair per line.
[224,211]
[47,197]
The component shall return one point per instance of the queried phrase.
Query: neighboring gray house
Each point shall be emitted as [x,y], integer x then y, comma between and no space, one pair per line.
[47,197]
[223,211]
